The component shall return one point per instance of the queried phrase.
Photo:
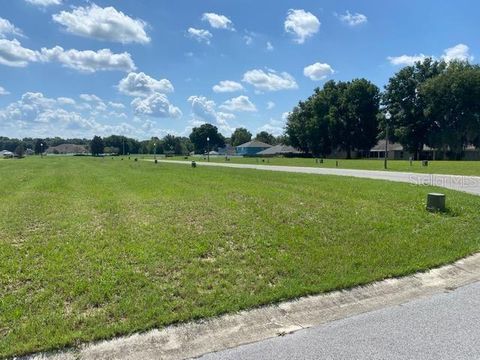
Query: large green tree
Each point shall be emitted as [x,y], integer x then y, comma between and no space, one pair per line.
[452,106]
[341,115]
[240,136]
[199,136]
[176,144]
[266,137]
[354,116]
[97,145]
[402,98]
[40,146]
[124,144]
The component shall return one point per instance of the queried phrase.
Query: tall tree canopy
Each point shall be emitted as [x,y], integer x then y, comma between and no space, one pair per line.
[341,115]
[240,136]
[266,137]
[402,98]
[452,106]
[40,146]
[97,145]
[199,135]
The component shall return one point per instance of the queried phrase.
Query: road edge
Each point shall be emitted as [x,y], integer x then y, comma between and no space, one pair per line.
[197,338]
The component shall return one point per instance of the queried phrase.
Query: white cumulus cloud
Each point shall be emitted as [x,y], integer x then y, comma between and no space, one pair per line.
[302,24]
[270,46]
[90,98]
[115,105]
[12,53]
[218,21]
[201,35]
[7,28]
[3,91]
[318,71]
[270,80]
[406,60]
[65,101]
[353,19]
[458,52]
[44,3]
[38,115]
[89,60]
[274,127]
[204,110]
[227,86]
[106,24]
[270,105]
[140,84]
[156,105]
[239,103]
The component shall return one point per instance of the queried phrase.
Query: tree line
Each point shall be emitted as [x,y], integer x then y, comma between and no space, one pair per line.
[432,103]
[169,144]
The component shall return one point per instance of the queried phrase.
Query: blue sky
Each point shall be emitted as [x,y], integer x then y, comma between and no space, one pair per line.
[146,68]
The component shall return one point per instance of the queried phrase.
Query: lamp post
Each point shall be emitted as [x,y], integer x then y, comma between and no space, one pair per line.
[41,150]
[155,151]
[388,116]
[208,149]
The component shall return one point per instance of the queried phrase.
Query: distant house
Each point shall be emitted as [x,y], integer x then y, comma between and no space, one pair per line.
[252,148]
[67,149]
[6,154]
[280,149]
[395,151]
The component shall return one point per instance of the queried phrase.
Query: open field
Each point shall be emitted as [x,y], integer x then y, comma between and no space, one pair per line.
[92,248]
[434,167]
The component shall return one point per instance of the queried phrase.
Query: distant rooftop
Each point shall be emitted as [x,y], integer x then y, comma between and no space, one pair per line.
[67,149]
[391,146]
[279,150]
[255,144]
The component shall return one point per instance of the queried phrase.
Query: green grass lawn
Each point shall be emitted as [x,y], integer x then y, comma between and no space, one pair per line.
[434,167]
[93,248]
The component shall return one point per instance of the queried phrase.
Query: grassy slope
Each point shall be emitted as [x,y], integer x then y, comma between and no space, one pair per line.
[91,248]
[435,167]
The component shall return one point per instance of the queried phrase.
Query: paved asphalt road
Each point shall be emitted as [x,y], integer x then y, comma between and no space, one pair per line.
[445,326]
[470,184]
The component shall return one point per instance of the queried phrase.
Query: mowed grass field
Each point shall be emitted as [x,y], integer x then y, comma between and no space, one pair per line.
[471,168]
[93,248]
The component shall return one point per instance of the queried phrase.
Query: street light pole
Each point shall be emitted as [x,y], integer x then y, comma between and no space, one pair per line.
[388,116]
[41,150]
[208,149]
[155,151]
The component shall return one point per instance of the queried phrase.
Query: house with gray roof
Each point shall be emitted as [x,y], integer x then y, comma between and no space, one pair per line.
[395,151]
[280,150]
[252,148]
[6,154]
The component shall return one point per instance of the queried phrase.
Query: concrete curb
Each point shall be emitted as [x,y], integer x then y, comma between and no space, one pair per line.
[198,338]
